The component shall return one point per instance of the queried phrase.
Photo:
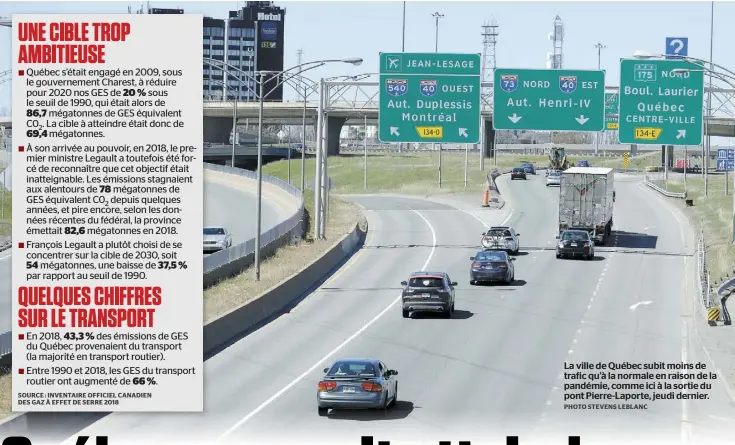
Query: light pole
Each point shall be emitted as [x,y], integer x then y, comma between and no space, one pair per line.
[364,141]
[728,78]
[599,47]
[403,37]
[438,16]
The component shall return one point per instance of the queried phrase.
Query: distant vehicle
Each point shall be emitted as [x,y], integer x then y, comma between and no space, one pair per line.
[297,146]
[489,266]
[583,163]
[553,178]
[357,384]
[575,243]
[586,198]
[216,239]
[501,238]
[558,159]
[428,292]
[518,173]
[528,167]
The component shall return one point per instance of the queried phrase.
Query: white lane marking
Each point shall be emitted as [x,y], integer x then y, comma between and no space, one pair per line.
[507,218]
[635,306]
[283,390]
[6,256]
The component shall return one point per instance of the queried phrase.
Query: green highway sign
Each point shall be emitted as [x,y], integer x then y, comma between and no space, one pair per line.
[551,100]
[429,97]
[659,106]
[611,107]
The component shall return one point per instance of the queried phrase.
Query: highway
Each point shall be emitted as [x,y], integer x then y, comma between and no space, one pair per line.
[228,201]
[496,368]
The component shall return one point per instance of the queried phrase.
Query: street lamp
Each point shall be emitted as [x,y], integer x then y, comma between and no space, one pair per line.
[728,79]
[276,75]
[599,47]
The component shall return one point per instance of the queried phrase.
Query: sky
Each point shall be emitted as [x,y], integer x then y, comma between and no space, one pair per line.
[329,30]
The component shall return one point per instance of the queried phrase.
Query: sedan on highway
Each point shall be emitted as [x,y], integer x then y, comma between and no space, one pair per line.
[501,238]
[357,384]
[575,243]
[518,173]
[428,292]
[553,178]
[528,167]
[488,266]
[216,239]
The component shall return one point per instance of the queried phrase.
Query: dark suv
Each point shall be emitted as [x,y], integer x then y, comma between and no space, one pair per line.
[518,173]
[428,292]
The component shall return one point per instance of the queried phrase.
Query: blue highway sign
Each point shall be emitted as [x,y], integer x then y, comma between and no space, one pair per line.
[677,47]
[725,164]
[726,153]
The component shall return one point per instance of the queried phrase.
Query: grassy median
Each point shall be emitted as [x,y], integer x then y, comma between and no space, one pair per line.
[5,215]
[711,213]
[414,172]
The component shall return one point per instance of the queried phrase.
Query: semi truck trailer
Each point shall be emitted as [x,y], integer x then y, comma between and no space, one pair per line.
[586,198]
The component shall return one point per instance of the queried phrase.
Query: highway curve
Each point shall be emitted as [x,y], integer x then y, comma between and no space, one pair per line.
[227,201]
[495,368]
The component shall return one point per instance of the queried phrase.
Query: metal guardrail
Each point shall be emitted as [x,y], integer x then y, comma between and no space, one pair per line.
[649,183]
[246,248]
[290,227]
[703,278]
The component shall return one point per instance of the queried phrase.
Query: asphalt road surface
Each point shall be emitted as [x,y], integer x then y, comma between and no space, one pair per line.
[497,367]
[224,204]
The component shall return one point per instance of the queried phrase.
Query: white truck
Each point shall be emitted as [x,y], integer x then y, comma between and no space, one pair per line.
[586,198]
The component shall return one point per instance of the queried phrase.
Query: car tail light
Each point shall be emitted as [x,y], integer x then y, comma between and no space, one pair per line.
[503,266]
[327,385]
[476,264]
[586,244]
[486,239]
[372,387]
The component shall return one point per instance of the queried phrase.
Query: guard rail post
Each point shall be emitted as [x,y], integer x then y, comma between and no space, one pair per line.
[725,313]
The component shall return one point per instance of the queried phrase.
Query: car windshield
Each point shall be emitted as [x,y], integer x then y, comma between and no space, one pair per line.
[214,231]
[575,236]
[352,369]
[496,257]
[424,281]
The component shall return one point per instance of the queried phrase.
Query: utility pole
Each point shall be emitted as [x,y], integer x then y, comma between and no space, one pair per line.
[708,139]
[437,16]
[489,40]
[599,47]
[403,34]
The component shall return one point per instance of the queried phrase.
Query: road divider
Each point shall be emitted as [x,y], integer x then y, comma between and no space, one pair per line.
[647,181]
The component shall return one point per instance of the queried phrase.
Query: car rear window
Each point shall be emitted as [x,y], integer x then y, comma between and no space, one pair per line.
[554,174]
[497,233]
[490,256]
[352,369]
[518,169]
[214,231]
[576,236]
[425,282]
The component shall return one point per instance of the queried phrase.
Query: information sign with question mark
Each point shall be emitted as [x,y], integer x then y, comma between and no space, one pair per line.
[677,47]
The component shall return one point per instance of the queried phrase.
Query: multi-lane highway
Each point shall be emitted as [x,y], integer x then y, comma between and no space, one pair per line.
[497,366]
[228,201]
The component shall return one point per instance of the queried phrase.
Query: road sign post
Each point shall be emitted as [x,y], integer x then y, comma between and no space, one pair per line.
[429,98]
[549,100]
[659,106]
[611,111]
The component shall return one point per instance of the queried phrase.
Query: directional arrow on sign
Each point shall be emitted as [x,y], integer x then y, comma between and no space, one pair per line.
[681,134]
[394,131]
[581,119]
[515,118]
[463,132]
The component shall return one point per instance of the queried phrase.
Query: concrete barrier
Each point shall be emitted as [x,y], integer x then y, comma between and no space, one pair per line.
[218,333]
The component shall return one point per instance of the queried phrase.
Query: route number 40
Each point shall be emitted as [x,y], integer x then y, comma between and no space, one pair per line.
[81,440]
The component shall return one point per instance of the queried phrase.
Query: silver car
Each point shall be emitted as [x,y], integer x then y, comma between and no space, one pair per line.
[501,238]
[554,178]
[357,384]
[216,239]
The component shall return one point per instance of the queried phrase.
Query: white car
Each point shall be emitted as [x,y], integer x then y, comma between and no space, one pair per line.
[554,178]
[216,239]
[501,238]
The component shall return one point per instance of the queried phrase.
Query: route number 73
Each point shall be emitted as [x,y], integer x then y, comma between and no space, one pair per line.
[81,440]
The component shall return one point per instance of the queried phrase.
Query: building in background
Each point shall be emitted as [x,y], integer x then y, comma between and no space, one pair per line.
[250,39]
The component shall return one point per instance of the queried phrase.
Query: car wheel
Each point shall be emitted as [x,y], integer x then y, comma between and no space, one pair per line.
[322,411]
[395,397]
[472,282]
[558,255]
[406,314]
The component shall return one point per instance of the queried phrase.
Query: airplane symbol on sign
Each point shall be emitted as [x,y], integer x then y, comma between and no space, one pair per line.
[393,63]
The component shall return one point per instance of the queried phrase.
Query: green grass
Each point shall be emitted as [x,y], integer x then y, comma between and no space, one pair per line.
[713,213]
[412,172]
[7,213]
